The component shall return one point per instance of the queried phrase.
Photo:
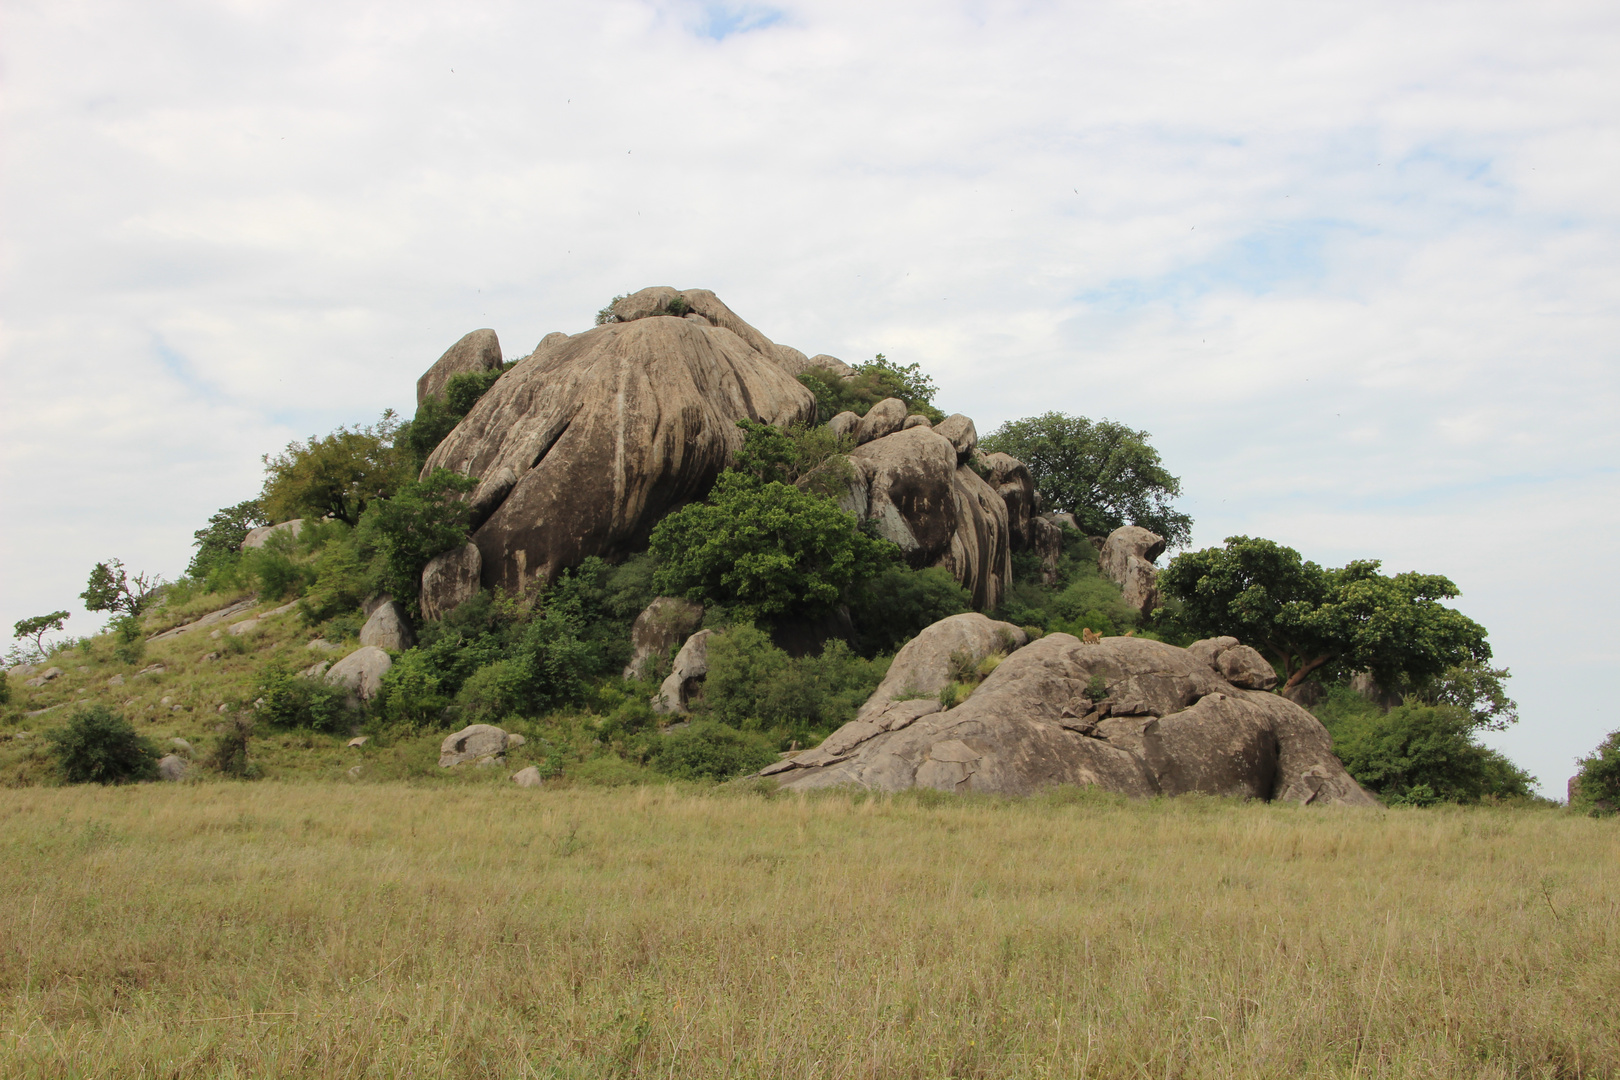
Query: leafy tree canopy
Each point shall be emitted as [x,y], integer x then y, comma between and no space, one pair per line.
[221,539]
[1102,472]
[37,627]
[764,548]
[111,588]
[812,457]
[423,519]
[339,475]
[1597,784]
[873,381]
[1422,754]
[1307,618]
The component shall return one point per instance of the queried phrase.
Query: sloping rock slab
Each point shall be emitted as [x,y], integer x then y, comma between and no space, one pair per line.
[1181,728]
[583,446]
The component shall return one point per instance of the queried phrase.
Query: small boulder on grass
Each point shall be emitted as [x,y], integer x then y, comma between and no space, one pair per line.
[527,778]
[471,743]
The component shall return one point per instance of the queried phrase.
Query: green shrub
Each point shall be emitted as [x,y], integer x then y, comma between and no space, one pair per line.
[1597,784]
[764,550]
[1417,754]
[899,603]
[423,519]
[129,641]
[437,416]
[756,686]
[873,381]
[287,699]
[219,543]
[711,751]
[97,746]
[229,755]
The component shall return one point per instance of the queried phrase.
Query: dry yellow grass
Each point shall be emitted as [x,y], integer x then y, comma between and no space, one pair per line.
[388,930]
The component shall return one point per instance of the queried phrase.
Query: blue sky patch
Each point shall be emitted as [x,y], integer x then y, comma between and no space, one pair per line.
[721,21]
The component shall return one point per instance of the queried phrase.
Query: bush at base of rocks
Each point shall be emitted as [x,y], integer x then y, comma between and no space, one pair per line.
[287,699]
[97,746]
[711,751]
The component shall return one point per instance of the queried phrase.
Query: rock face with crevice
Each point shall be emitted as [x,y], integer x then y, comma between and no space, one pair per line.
[585,444]
[1129,715]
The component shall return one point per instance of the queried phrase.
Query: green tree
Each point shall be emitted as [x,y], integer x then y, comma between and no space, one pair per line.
[112,588]
[1597,784]
[1422,754]
[872,382]
[439,414]
[424,518]
[339,475]
[900,603]
[37,627]
[1102,472]
[97,746]
[1307,618]
[220,541]
[764,549]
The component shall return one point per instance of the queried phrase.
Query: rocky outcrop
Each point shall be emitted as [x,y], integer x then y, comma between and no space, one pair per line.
[1126,559]
[450,580]
[1238,664]
[584,445]
[474,743]
[259,537]
[1128,715]
[924,664]
[389,627]
[1046,541]
[691,665]
[844,424]
[665,621]
[885,418]
[1012,482]
[963,434]
[360,673]
[478,351]
[939,513]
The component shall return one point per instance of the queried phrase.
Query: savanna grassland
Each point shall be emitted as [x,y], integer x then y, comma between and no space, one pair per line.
[392,929]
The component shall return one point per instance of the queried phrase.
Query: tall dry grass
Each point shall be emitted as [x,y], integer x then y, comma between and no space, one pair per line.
[327,931]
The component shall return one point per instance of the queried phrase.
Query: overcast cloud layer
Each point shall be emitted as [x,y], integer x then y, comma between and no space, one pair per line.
[1354,266]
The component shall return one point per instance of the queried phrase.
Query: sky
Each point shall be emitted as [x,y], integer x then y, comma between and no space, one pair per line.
[1353,265]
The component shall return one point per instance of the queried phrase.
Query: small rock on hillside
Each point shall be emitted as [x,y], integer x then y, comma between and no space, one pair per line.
[478,351]
[691,665]
[528,778]
[171,767]
[471,744]
[257,538]
[389,627]
[360,673]
[664,622]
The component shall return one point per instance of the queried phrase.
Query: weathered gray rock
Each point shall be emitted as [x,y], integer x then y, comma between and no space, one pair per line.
[514,740]
[916,420]
[844,424]
[664,622]
[472,743]
[1238,664]
[48,675]
[1169,725]
[939,513]
[1127,558]
[963,434]
[528,778]
[389,627]
[603,434]
[243,628]
[1012,482]
[691,665]
[171,767]
[478,351]
[354,772]
[180,746]
[792,360]
[654,301]
[1046,541]
[321,645]
[116,680]
[360,673]
[257,538]
[884,418]
[357,742]
[315,670]
[832,364]
[450,580]
[922,667]
[211,618]
[1063,521]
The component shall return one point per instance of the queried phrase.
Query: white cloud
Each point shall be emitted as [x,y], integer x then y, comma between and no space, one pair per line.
[1354,265]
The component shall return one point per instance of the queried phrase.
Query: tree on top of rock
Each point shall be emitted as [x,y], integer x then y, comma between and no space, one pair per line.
[1102,472]
[1308,618]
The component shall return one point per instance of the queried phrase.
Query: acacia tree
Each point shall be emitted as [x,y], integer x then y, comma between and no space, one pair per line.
[1102,472]
[37,627]
[1307,618]
[111,588]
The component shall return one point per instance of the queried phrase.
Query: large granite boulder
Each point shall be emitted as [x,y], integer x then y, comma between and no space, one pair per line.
[1046,541]
[923,666]
[450,580]
[940,513]
[1011,479]
[472,743]
[584,445]
[1127,558]
[885,418]
[665,621]
[1129,715]
[478,351]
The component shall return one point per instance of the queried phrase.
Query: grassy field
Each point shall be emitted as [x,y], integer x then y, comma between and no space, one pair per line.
[331,930]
